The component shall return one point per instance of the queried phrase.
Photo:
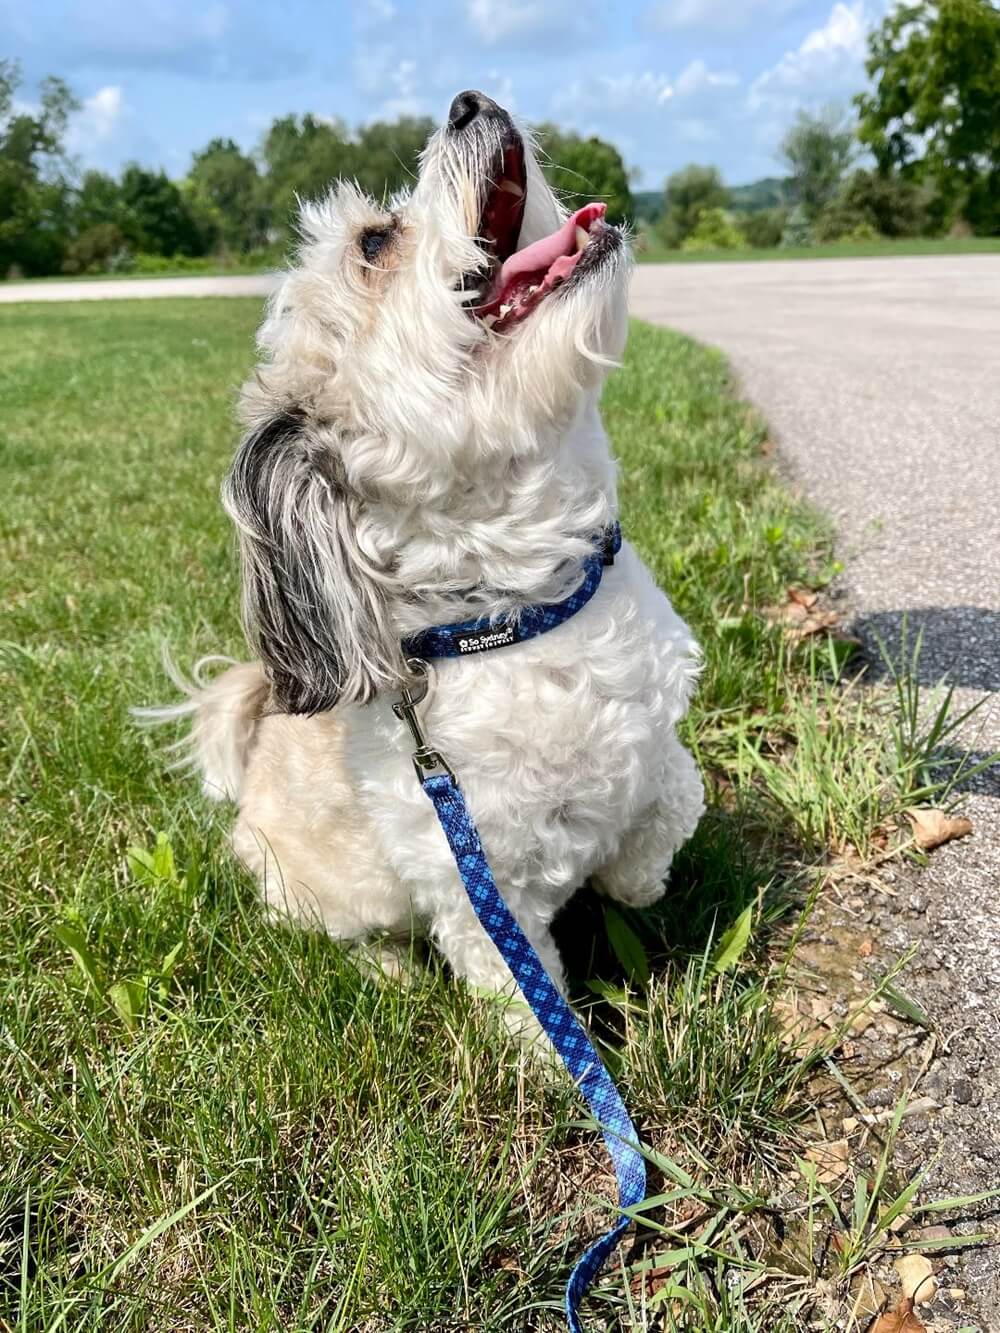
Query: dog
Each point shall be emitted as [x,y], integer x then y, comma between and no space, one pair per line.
[423,446]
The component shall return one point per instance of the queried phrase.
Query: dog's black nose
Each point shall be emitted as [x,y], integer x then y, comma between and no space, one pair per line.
[467,106]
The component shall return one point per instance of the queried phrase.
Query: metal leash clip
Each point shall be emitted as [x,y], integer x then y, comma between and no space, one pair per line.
[426,761]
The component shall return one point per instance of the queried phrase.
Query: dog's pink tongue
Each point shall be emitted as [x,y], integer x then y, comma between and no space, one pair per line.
[541,255]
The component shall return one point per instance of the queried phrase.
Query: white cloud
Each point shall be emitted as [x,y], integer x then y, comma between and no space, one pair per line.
[695,131]
[102,112]
[696,77]
[718,14]
[192,38]
[845,30]
[392,83]
[372,13]
[828,64]
[97,125]
[522,22]
[611,94]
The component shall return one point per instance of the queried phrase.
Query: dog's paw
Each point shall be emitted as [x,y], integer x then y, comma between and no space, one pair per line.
[628,891]
[387,961]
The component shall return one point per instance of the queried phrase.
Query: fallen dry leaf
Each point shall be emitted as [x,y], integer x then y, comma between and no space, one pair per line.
[803,596]
[933,828]
[867,1298]
[916,1273]
[831,1159]
[798,1032]
[900,1320]
[800,615]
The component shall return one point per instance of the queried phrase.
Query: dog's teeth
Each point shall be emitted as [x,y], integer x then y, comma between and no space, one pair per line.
[512,187]
[532,290]
[489,320]
[582,238]
[505,311]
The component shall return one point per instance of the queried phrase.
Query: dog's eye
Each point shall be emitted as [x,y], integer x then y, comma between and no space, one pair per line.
[372,240]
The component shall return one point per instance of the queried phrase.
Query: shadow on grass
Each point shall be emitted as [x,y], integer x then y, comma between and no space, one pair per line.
[716,875]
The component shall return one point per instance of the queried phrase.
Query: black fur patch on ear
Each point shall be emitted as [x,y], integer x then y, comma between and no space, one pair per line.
[314,605]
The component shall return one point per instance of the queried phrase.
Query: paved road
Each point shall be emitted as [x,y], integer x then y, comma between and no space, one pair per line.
[121,289]
[881,383]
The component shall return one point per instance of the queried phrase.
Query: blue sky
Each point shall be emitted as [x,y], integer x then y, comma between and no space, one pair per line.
[669,81]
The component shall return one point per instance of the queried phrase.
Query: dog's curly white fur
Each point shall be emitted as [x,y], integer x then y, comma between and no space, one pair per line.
[407,466]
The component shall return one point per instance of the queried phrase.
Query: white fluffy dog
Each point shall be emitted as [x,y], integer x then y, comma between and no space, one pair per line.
[424,447]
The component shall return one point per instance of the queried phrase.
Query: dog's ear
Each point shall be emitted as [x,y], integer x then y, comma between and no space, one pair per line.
[314,604]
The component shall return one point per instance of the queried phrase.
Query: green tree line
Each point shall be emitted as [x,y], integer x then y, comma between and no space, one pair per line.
[929,124]
[928,129]
[232,205]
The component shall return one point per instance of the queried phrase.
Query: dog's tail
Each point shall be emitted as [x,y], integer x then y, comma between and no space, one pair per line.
[224,710]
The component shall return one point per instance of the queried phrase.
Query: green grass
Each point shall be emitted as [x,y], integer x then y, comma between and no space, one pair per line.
[918,245]
[207,1122]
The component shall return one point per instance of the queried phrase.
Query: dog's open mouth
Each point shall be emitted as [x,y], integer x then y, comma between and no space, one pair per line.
[522,279]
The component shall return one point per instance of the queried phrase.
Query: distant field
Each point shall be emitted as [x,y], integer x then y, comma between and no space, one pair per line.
[975,245]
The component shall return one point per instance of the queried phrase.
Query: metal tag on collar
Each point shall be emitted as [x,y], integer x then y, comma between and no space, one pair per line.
[426,761]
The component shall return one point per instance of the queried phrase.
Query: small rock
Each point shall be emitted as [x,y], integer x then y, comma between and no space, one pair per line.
[963,1092]
[880,1097]
[916,1276]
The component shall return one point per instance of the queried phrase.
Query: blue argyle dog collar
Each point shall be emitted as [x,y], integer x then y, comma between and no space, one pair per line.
[481,636]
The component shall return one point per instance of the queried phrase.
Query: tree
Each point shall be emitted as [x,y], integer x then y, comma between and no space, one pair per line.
[585,169]
[797,231]
[388,153]
[885,202]
[97,201]
[688,194]
[934,110]
[225,194]
[715,231]
[302,159]
[762,230]
[34,194]
[155,216]
[97,249]
[818,150]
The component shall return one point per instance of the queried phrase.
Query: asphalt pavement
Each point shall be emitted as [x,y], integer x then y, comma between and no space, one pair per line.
[880,381]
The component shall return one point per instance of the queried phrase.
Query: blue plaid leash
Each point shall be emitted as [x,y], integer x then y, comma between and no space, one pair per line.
[547,1004]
